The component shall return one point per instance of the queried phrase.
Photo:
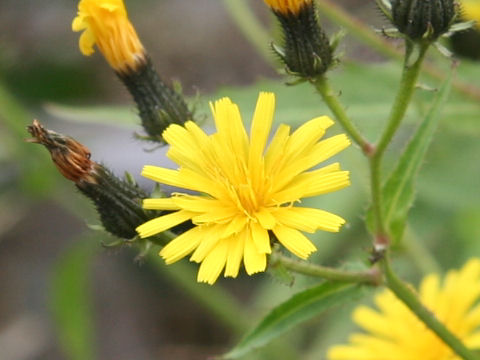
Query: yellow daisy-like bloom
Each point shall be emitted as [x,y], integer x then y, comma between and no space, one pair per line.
[395,333]
[471,10]
[246,190]
[287,6]
[105,23]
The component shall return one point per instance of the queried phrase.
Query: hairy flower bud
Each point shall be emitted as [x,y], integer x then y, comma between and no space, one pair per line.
[423,19]
[158,104]
[118,202]
[307,51]
[105,24]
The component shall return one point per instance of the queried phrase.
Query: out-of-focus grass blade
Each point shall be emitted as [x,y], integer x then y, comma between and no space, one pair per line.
[299,308]
[71,302]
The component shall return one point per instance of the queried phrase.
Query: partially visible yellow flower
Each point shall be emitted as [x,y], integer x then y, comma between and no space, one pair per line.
[287,6]
[247,191]
[471,10]
[395,333]
[105,23]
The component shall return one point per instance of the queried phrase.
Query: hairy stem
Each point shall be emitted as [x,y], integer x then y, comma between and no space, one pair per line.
[402,100]
[371,276]
[329,96]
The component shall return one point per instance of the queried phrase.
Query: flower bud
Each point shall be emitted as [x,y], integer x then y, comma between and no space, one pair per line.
[158,104]
[423,19]
[105,24]
[118,202]
[307,51]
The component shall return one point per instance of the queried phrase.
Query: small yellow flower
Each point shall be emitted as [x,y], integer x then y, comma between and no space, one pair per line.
[394,333]
[247,191]
[287,6]
[470,10]
[106,24]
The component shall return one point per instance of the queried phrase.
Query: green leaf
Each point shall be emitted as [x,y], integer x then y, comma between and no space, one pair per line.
[299,308]
[399,189]
[71,304]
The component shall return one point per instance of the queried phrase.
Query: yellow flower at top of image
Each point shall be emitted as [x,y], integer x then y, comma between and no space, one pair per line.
[105,23]
[247,192]
[393,332]
[286,7]
[470,10]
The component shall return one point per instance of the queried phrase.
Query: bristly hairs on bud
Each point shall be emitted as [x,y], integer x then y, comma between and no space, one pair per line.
[118,202]
[420,21]
[159,105]
[306,52]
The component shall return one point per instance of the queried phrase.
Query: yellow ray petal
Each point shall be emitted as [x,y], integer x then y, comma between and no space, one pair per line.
[211,236]
[265,218]
[327,148]
[163,175]
[86,42]
[253,260]
[181,246]
[160,204]
[213,263]
[261,238]
[307,135]
[312,184]
[260,128]
[372,321]
[294,241]
[308,219]
[286,175]
[274,156]
[163,223]
[235,255]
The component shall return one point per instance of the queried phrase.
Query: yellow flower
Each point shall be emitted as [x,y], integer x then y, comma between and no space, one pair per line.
[394,333]
[287,6]
[471,10]
[246,191]
[106,24]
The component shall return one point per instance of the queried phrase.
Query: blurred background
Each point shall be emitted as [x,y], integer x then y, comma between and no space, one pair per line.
[64,296]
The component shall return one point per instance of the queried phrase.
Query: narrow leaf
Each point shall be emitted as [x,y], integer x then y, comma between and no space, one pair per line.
[71,303]
[299,308]
[399,189]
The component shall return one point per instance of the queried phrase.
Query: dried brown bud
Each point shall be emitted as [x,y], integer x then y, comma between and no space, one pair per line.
[71,158]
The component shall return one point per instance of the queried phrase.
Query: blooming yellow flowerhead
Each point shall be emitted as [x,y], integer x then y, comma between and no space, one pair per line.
[247,191]
[105,23]
[395,333]
[287,6]
[470,10]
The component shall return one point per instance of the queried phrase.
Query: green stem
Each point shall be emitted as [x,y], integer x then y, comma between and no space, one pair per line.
[404,95]
[402,100]
[376,189]
[250,27]
[404,292]
[371,276]
[328,94]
